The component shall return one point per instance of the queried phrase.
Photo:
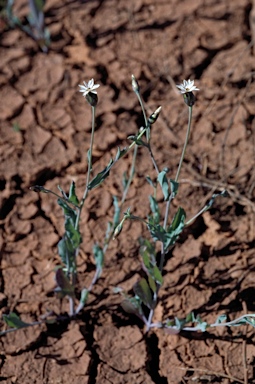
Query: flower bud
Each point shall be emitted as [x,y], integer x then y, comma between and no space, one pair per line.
[189,99]
[118,229]
[153,117]
[92,99]
[135,84]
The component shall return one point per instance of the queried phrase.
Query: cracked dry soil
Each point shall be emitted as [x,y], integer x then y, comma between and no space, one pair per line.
[211,270]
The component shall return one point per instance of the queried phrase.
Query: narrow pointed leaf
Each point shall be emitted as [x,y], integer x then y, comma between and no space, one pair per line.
[72,195]
[142,290]
[101,176]
[99,258]
[13,321]
[174,187]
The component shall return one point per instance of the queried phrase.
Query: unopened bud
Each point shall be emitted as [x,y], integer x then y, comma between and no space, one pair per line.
[135,84]
[189,98]
[153,117]
[92,99]
[117,230]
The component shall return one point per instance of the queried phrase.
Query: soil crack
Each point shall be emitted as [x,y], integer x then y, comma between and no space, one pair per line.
[153,354]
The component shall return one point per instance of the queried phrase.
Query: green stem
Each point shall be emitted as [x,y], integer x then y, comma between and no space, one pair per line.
[85,194]
[179,167]
[163,251]
[131,175]
[185,146]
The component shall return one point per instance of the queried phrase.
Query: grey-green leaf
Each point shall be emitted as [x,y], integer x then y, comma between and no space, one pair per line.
[72,195]
[162,179]
[101,176]
[142,290]
[13,321]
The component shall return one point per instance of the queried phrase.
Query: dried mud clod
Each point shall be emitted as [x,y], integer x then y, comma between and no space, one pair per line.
[44,137]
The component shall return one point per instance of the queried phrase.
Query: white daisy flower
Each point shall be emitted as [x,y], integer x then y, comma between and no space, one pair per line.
[187,86]
[88,87]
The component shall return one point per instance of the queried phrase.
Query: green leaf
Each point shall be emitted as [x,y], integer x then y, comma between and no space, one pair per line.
[99,258]
[148,254]
[156,274]
[174,187]
[142,290]
[72,233]
[162,179]
[101,176]
[124,180]
[13,321]
[120,153]
[72,195]
[67,253]
[169,237]
[116,217]
[157,232]
[139,142]
[63,251]
[178,221]
[154,209]
[148,179]
[152,283]
[68,211]
[63,193]
[250,320]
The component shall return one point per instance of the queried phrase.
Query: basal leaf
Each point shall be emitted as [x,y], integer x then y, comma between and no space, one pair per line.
[142,290]
[13,321]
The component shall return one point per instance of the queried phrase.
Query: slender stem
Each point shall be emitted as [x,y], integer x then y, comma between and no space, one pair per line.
[142,106]
[179,167]
[147,136]
[153,158]
[131,175]
[185,145]
[190,221]
[163,251]
[85,194]
[132,170]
